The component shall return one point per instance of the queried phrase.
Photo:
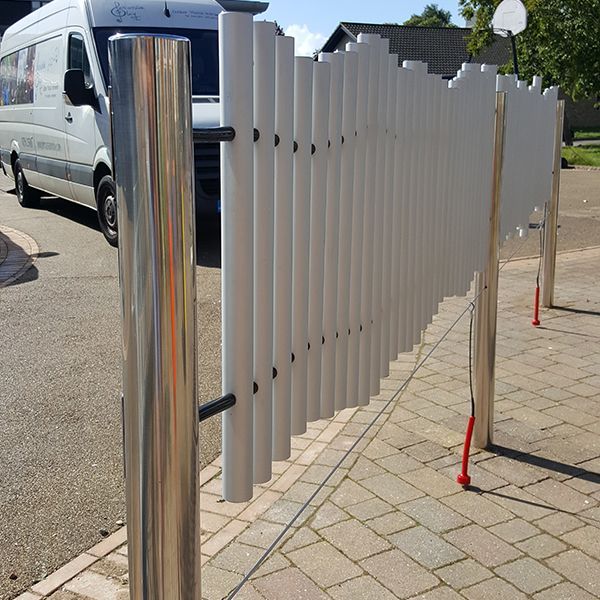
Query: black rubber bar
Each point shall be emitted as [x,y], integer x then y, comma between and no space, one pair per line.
[210,135]
[214,407]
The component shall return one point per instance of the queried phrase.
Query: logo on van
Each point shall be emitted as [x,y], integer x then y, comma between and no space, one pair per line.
[121,12]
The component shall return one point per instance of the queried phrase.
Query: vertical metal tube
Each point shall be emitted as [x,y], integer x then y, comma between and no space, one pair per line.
[388,216]
[237,251]
[436,220]
[303,84]
[346,239]
[398,213]
[318,215]
[415,255]
[332,233]
[366,289]
[428,226]
[551,226]
[153,160]
[409,167]
[264,236]
[487,302]
[445,189]
[381,177]
[449,200]
[284,186]
[355,336]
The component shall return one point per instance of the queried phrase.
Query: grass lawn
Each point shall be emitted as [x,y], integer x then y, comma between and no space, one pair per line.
[587,133]
[582,155]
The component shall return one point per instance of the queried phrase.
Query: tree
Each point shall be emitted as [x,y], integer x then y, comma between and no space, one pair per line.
[561,42]
[432,16]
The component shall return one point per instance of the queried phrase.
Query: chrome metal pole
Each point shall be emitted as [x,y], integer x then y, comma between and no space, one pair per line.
[487,299]
[153,163]
[551,225]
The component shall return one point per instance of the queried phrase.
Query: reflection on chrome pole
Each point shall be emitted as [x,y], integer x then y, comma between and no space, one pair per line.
[551,225]
[152,154]
[486,289]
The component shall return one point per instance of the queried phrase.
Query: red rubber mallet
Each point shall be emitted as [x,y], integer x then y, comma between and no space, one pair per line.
[463,477]
[536,307]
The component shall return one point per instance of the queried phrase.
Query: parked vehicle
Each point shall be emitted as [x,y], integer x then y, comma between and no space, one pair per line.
[54,105]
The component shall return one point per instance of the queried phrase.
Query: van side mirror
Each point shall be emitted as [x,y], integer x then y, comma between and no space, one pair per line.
[76,90]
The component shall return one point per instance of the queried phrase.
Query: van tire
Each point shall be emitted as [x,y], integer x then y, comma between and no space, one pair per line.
[27,196]
[106,203]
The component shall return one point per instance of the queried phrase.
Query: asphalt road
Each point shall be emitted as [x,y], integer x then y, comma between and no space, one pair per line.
[61,477]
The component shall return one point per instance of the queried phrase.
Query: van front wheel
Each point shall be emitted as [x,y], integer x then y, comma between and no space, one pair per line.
[27,196]
[106,202]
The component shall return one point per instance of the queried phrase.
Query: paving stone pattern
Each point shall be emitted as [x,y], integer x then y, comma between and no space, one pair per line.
[393,523]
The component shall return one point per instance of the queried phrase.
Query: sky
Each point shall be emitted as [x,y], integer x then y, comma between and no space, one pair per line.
[311,22]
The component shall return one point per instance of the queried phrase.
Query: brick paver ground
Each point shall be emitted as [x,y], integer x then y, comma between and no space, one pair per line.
[393,523]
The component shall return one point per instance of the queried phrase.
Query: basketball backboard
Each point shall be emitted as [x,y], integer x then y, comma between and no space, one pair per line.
[510,18]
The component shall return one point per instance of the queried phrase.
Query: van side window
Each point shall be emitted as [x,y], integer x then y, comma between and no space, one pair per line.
[17,72]
[78,58]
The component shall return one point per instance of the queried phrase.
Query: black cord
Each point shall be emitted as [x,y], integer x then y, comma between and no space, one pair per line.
[542,230]
[472,306]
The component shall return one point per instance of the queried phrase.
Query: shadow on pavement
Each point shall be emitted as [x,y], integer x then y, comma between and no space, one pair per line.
[208,243]
[547,463]
[579,311]
[587,335]
[72,211]
[543,463]
[69,210]
[208,230]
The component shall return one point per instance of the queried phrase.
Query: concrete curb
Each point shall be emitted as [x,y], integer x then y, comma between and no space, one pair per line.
[18,252]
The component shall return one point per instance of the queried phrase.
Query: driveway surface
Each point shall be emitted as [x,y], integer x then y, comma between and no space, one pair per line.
[61,476]
[60,431]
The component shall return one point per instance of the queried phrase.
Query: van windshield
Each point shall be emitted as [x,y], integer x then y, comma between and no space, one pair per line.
[205,54]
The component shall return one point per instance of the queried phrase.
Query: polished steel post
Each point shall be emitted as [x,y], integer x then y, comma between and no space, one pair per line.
[551,225]
[487,299]
[153,161]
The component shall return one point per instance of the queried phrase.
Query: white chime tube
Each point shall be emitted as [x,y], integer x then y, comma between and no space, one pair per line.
[283,216]
[235,81]
[303,83]
[332,234]
[264,234]
[318,212]
[346,238]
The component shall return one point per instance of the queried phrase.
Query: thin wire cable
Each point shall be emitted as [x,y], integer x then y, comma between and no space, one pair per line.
[276,541]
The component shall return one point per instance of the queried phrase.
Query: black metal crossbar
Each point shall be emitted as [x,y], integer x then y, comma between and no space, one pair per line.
[214,407]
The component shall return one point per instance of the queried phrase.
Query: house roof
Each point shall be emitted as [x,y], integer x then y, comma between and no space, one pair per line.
[444,49]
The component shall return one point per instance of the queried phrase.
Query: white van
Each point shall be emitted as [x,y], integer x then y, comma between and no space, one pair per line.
[56,139]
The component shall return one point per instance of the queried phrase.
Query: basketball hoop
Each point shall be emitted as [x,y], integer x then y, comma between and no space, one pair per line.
[510,19]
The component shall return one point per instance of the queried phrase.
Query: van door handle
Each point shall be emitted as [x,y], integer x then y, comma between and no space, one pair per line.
[69,118]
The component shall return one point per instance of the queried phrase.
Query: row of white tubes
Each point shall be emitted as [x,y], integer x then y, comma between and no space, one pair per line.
[528,152]
[361,206]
